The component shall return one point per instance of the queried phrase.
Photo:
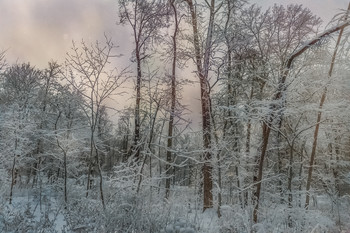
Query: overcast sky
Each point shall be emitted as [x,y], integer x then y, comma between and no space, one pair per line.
[38,31]
[41,30]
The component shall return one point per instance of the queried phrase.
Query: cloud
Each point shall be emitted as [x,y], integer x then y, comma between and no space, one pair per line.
[41,30]
[38,31]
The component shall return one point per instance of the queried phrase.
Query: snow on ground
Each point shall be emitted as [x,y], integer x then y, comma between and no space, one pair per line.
[30,212]
[183,213]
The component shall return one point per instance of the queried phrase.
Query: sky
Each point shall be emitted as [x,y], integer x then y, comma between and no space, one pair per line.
[38,31]
[41,30]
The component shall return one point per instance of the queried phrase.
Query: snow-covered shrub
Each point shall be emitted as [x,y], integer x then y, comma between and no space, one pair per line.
[23,216]
[125,212]
[179,226]
[284,219]
[234,219]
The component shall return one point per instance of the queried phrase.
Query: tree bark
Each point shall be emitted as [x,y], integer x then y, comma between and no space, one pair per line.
[12,177]
[267,124]
[168,168]
[318,120]
[65,177]
[135,149]
[88,185]
[98,163]
[153,121]
[202,72]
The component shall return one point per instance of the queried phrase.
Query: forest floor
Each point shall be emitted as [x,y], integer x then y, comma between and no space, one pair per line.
[30,212]
[35,210]
[44,211]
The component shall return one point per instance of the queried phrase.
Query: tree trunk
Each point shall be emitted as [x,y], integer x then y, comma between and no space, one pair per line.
[64,156]
[207,167]
[101,177]
[88,185]
[257,179]
[153,121]
[269,120]
[290,175]
[168,168]
[203,72]
[136,146]
[12,177]
[159,155]
[93,148]
[318,120]
[65,177]
[218,158]
[335,169]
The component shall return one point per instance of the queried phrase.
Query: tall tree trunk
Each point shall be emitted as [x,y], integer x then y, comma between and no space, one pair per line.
[290,175]
[93,147]
[231,92]
[13,171]
[65,177]
[13,179]
[153,121]
[136,146]
[266,128]
[336,167]
[247,143]
[318,120]
[159,154]
[260,162]
[64,156]
[301,171]
[168,167]
[216,137]
[88,185]
[207,167]
[202,72]
[98,163]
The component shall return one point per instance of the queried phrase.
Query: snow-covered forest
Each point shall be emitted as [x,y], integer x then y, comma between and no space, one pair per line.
[270,151]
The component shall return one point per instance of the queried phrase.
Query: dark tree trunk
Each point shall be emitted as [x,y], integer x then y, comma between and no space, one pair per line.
[271,118]
[135,148]
[168,167]
[203,71]
[13,179]
[318,121]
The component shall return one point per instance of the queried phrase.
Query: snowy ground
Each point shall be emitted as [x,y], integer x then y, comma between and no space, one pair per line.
[30,212]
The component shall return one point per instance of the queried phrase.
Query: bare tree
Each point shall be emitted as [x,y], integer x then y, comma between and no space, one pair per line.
[202,58]
[20,87]
[146,19]
[89,75]
[65,124]
[319,115]
[173,97]
[274,118]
